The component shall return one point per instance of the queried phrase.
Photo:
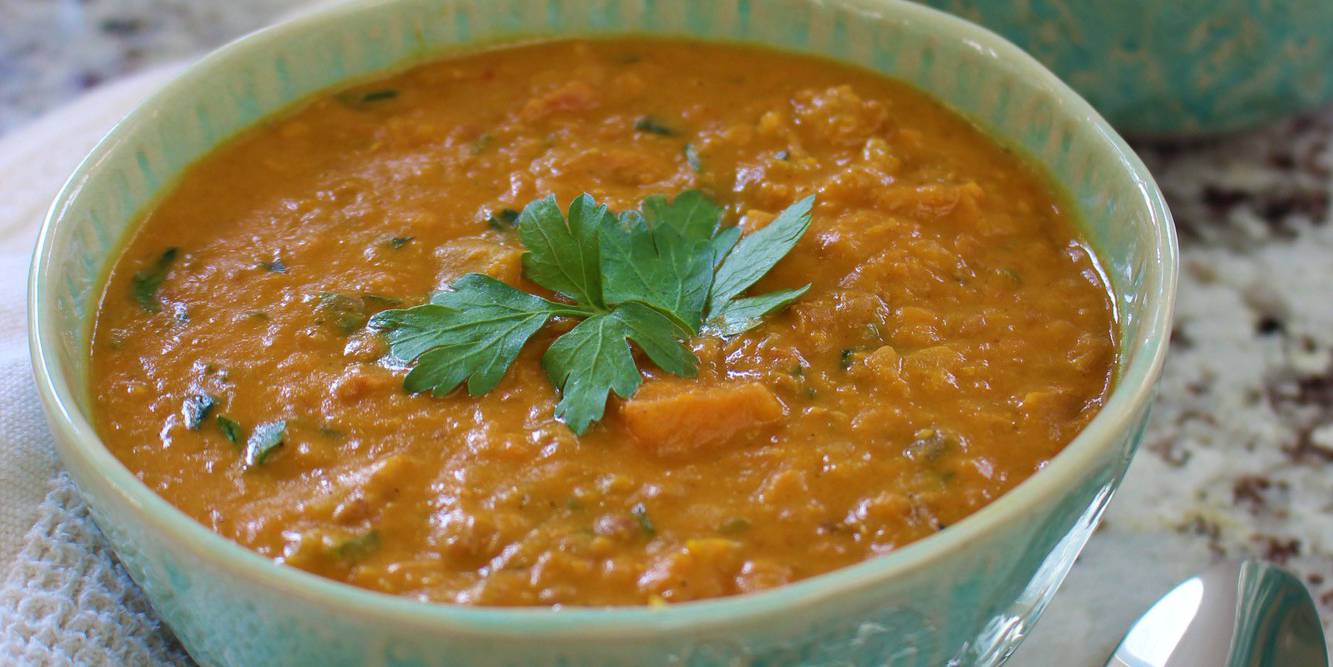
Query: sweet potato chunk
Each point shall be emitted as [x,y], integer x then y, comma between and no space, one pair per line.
[571,97]
[477,255]
[682,419]
[704,568]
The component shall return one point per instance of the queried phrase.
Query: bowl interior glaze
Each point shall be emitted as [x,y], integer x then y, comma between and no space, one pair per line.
[966,594]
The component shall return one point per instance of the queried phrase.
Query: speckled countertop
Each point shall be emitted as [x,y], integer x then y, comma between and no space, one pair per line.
[1239,458]
[52,50]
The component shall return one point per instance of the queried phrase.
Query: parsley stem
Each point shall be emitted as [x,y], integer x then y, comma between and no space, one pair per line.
[572,310]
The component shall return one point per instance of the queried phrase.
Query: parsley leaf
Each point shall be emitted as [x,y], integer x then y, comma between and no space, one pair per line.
[503,220]
[756,253]
[145,283]
[652,278]
[367,98]
[661,255]
[379,301]
[594,359]
[692,158]
[690,213]
[741,315]
[640,513]
[657,266]
[473,332]
[651,125]
[564,257]
[734,526]
[231,430]
[722,244]
[265,438]
[195,410]
[274,266]
[345,312]
[358,548]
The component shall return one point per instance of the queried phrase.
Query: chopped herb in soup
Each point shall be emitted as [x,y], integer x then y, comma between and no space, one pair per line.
[549,325]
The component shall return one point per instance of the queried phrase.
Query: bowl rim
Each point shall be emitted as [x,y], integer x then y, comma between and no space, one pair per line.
[1129,398]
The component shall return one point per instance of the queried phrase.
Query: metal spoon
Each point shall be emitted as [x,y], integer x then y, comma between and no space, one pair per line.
[1246,614]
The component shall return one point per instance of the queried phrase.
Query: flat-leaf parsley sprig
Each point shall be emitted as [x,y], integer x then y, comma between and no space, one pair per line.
[655,277]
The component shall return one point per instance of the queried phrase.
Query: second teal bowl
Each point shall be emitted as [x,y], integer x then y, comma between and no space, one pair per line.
[965,596]
[1170,68]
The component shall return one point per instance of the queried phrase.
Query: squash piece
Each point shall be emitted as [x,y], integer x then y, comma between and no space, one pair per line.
[572,97]
[703,568]
[478,255]
[684,419]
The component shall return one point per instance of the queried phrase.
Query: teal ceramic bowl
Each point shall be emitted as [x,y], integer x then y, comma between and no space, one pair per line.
[965,596]
[1175,67]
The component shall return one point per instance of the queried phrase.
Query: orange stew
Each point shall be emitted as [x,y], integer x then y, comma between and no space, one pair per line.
[957,334]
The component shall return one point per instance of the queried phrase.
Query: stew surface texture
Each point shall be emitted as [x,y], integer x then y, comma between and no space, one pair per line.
[957,334]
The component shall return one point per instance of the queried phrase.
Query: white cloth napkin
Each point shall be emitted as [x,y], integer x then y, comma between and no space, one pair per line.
[64,599]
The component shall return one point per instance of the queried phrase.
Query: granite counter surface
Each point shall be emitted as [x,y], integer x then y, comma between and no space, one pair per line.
[1239,457]
[53,50]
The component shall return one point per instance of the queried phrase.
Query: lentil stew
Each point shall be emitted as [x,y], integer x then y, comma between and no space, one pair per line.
[957,333]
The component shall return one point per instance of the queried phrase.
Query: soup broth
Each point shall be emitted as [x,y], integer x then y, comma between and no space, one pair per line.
[956,336]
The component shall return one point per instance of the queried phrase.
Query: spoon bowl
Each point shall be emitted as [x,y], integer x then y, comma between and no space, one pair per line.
[1235,614]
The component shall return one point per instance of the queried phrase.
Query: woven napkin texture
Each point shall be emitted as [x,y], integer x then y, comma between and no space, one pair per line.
[64,600]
